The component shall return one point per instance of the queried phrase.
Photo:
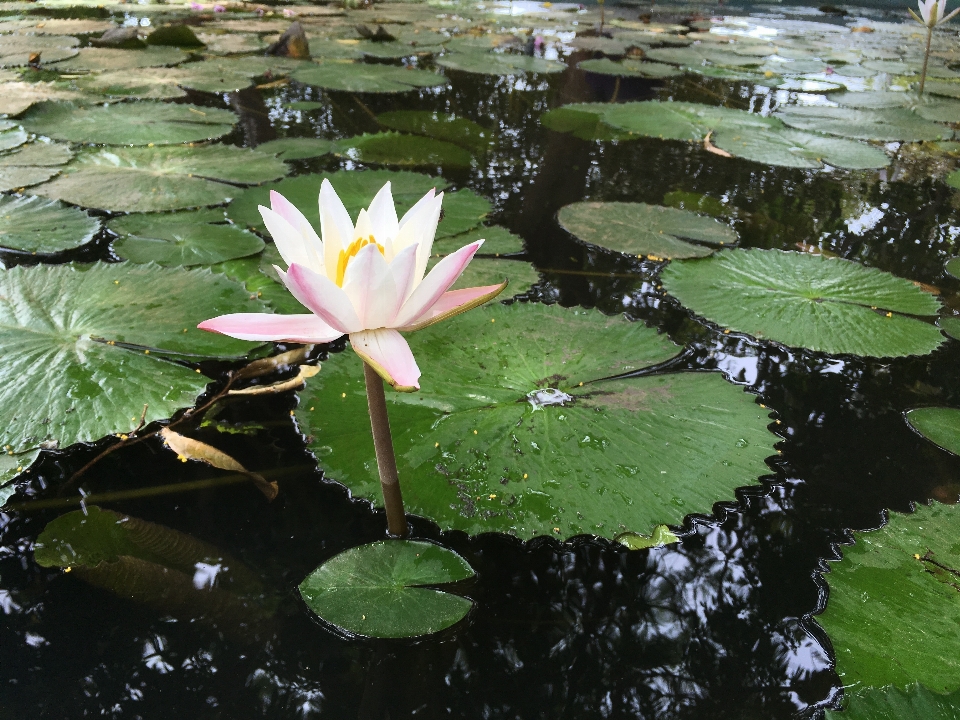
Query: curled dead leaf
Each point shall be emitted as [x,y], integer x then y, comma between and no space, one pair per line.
[195,450]
[265,366]
[711,148]
[306,371]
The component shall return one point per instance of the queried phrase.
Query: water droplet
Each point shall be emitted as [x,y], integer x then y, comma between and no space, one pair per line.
[741,443]
[539,399]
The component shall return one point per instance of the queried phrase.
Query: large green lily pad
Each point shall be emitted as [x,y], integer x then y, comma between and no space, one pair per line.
[38,225]
[795,148]
[32,164]
[496,241]
[256,274]
[893,603]
[158,179]
[384,589]
[463,209]
[299,148]
[680,120]
[914,703]
[96,59]
[490,63]
[640,229]
[366,77]
[630,68]
[492,271]
[139,123]
[165,83]
[198,237]
[511,433]
[68,373]
[801,300]
[940,425]
[18,96]
[884,124]
[440,126]
[390,148]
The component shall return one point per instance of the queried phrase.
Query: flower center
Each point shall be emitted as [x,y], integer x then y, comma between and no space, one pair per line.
[351,252]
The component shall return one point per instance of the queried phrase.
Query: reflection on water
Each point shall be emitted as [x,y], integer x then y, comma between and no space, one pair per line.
[714,627]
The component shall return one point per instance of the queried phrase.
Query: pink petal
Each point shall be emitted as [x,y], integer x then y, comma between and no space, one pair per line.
[289,212]
[434,285]
[264,327]
[428,231]
[456,302]
[388,353]
[321,296]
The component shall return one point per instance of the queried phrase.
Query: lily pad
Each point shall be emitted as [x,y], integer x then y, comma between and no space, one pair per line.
[11,466]
[796,148]
[583,120]
[449,128]
[489,63]
[884,124]
[378,590]
[893,603]
[512,433]
[38,225]
[496,241]
[140,123]
[199,237]
[299,148]
[165,83]
[159,179]
[16,97]
[681,120]
[950,325]
[630,68]
[939,425]
[800,300]
[953,179]
[14,137]
[32,164]
[914,703]
[250,272]
[83,348]
[644,230]
[492,271]
[96,59]
[392,148]
[366,77]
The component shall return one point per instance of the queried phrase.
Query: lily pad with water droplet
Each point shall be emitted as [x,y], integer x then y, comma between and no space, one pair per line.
[159,179]
[800,300]
[475,454]
[386,589]
[140,123]
[893,603]
[915,702]
[645,230]
[84,347]
[198,237]
[38,225]
[366,77]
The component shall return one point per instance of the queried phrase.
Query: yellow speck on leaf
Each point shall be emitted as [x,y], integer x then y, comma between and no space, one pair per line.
[525,476]
[181,458]
[557,530]
[436,444]
[916,556]
[343,395]
[67,569]
[493,319]
[889,314]
[146,352]
[493,496]
[474,432]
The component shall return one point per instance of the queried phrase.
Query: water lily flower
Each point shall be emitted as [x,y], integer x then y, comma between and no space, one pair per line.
[365,280]
[932,13]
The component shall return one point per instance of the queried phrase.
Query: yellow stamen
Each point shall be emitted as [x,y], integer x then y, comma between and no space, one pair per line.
[351,252]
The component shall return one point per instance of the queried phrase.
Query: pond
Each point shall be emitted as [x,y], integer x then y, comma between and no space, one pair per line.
[698,460]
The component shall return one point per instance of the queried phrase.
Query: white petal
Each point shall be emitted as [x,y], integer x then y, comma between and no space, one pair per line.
[383,216]
[402,268]
[364,228]
[418,206]
[335,227]
[289,242]
[428,232]
[370,286]
[289,212]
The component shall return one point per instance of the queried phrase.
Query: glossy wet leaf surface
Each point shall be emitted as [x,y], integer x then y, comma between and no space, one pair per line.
[158,179]
[940,425]
[377,590]
[200,237]
[503,437]
[915,702]
[38,225]
[827,305]
[639,229]
[32,164]
[129,123]
[893,603]
[64,379]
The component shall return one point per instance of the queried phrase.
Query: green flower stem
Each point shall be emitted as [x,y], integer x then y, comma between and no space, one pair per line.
[926,59]
[386,461]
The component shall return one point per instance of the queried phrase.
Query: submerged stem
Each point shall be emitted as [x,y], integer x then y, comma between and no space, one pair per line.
[386,461]
[926,59]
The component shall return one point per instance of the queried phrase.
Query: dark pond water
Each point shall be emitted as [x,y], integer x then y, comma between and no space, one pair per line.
[718,626]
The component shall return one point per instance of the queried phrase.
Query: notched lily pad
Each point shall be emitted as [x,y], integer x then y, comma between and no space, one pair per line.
[38,225]
[512,432]
[380,590]
[939,425]
[645,230]
[801,300]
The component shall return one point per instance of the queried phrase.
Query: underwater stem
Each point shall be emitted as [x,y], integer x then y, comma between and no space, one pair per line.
[386,461]
[926,59]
